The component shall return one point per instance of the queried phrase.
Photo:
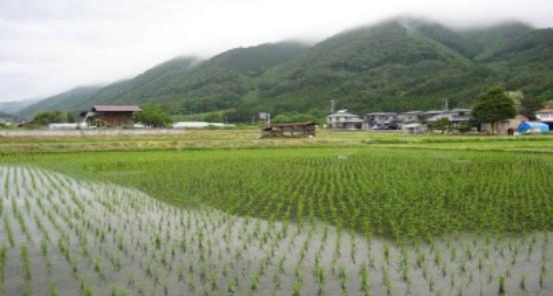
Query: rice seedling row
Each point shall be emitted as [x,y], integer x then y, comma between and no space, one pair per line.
[73,236]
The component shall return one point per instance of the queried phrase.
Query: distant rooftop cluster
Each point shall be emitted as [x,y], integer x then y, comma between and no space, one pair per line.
[417,121]
[344,120]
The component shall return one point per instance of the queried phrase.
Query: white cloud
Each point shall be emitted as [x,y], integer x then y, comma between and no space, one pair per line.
[48,46]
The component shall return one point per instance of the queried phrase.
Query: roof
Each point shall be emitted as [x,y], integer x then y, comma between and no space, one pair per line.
[546,110]
[343,113]
[450,117]
[434,112]
[534,124]
[412,113]
[382,113]
[116,108]
[521,116]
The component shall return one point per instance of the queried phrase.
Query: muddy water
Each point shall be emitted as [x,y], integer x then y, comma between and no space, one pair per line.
[90,237]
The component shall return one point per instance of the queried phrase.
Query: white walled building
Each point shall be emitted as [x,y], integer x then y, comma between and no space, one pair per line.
[343,120]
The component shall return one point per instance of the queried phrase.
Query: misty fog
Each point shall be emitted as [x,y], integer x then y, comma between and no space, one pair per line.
[47,47]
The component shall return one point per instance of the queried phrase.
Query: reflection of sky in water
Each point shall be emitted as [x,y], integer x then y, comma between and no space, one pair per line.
[120,236]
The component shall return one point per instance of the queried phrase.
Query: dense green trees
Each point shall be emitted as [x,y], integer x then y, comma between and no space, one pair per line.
[294,117]
[70,117]
[547,98]
[529,105]
[153,115]
[493,107]
[46,117]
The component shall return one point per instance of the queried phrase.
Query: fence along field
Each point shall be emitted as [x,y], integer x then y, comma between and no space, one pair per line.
[343,222]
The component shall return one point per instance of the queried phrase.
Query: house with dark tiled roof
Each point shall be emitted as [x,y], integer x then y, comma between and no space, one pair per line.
[111,115]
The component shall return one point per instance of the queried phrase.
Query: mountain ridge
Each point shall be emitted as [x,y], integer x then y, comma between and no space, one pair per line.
[394,65]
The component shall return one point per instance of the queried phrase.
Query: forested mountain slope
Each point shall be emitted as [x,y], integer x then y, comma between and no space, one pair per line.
[397,65]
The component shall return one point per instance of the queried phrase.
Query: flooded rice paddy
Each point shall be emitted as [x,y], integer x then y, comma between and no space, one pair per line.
[66,236]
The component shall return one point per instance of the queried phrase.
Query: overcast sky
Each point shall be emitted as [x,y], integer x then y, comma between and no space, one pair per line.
[49,46]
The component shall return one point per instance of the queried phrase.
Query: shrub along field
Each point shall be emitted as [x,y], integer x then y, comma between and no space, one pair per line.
[288,221]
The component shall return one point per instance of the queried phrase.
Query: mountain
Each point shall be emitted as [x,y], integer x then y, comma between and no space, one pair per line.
[400,65]
[144,85]
[6,116]
[184,84]
[15,106]
[68,101]
[397,65]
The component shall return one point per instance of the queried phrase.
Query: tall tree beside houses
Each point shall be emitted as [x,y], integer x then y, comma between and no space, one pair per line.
[494,106]
[153,115]
[529,106]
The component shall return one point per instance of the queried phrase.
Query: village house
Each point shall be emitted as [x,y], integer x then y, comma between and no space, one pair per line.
[343,120]
[381,121]
[545,116]
[432,113]
[409,118]
[412,121]
[457,117]
[111,115]
[505,127]
[415,121]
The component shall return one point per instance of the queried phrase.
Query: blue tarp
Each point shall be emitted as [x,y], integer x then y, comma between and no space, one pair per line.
[526,127]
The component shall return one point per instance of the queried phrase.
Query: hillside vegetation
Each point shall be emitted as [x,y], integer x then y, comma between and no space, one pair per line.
[397,65]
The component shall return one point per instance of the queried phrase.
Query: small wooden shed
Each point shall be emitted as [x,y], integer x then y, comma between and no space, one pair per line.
[294,129]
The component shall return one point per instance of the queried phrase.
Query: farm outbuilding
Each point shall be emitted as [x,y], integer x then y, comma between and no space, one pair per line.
[111,115]
[533,127]
[295,130]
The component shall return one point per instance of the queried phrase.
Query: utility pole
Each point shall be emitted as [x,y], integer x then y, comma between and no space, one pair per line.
[332,106]
[446,104]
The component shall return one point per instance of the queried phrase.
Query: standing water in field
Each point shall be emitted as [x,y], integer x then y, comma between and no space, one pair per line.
[66,236]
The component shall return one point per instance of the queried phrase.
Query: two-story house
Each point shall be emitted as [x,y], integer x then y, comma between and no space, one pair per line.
[410,117]
[456,117]
[381,120]
[343,120]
